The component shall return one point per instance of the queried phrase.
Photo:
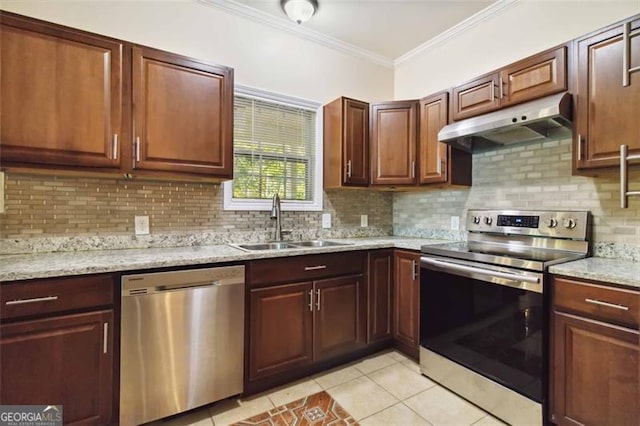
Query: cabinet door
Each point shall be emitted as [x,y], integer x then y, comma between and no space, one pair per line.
[183,114]
[339,323]
[475,97]
[595,373]
[393,142]
[540,75]
[61,97]
[65,360]
[433,154]
[380,296]
[280,329]
[407,302]
[356,142]
[607,109]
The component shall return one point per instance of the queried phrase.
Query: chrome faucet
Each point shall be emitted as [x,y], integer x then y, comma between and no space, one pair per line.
[276,213]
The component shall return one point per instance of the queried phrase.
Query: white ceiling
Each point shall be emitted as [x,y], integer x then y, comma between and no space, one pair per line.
[388,28]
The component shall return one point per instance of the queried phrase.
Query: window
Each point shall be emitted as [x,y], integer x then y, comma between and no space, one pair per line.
[277,149]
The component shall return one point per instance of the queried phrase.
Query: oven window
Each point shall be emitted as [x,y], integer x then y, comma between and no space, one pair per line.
[494,330]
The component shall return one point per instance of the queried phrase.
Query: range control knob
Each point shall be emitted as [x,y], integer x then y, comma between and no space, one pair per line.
[476,219]
[569,223]
[551,222]
[488,220]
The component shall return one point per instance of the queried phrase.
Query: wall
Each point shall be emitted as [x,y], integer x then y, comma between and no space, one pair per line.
[533,176]
[49,213]
[517,31]
[263,57]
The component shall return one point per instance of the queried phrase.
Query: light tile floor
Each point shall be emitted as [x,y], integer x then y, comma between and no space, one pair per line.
[383,389]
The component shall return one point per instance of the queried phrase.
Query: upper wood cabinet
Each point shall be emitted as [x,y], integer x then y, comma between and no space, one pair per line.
[394,133]
[607,95]
[531,78]
[346,143]
[438,162]
[62,96]
[182,114]
[83,102]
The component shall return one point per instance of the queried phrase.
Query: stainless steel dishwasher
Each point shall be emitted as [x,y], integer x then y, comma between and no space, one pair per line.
[182,341]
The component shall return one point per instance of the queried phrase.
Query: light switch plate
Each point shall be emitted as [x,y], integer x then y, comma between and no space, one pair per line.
[455,223]
[364,220]
[326,220]
[142,225]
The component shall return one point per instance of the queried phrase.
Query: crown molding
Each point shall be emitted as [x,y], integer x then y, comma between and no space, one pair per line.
[465,25]
[284,24]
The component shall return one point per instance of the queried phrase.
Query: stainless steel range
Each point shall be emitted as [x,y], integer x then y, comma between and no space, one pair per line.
[484,309]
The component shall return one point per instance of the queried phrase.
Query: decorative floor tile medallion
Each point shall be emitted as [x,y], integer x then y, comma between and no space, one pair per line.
[315,410]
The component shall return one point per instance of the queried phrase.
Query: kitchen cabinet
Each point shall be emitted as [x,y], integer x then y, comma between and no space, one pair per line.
[346,143]
[96,104]
[56,346]
[438,162]
[62,96]
[531,78]
[607,95]
[406,324]
[394,141]
[380,295]
[303,310]
[182,114]
[595,354]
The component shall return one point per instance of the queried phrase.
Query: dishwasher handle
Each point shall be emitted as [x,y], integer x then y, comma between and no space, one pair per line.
[186,286]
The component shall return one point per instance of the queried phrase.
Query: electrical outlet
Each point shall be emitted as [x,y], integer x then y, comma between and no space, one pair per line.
[326,220]
[364,220]
[141,225]
[455,223]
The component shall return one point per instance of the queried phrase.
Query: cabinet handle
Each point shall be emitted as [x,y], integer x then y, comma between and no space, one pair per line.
[115,146]
[318,299]
[138,148]
[579,147]
[315,268]
[624,177]
[105,337]
[349,168]
[501,83]
[414,268]
[34,300]
[626,55]
[311,300]
[413,169]
[607,304]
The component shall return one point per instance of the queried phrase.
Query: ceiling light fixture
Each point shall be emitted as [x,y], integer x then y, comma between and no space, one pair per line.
[299,11]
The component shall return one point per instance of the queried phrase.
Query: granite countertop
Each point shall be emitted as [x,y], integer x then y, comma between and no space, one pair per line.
[57,264]
[616,271]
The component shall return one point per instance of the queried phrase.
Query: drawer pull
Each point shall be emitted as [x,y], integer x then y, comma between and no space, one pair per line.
[315,268]
[607,304]
[34,300]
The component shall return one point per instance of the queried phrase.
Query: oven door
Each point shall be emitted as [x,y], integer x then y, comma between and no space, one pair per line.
[487,318]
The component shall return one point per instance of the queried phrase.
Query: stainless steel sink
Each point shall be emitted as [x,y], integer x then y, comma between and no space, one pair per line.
[319,243]
[266,246]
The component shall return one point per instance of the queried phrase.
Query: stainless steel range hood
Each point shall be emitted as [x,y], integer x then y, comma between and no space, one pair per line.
[544,119]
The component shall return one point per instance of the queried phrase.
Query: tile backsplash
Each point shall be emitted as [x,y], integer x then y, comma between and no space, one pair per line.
[47,207]
[534,176]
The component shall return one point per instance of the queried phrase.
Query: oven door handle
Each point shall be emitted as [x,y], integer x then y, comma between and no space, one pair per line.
[475,270]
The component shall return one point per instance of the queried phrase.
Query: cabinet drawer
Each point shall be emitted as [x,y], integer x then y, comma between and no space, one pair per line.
[305,268]
[617,305]
[55,295]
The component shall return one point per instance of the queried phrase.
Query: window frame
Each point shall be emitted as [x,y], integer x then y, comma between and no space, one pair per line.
[316,204]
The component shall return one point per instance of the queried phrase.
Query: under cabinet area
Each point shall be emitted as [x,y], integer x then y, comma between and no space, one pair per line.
[595,354]
[97,104]
[607,95]
[57,346]
[303,310]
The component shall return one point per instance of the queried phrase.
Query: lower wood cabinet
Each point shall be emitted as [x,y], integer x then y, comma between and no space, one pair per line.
[595,355]
[406,324]
[60,358]
[380,295]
